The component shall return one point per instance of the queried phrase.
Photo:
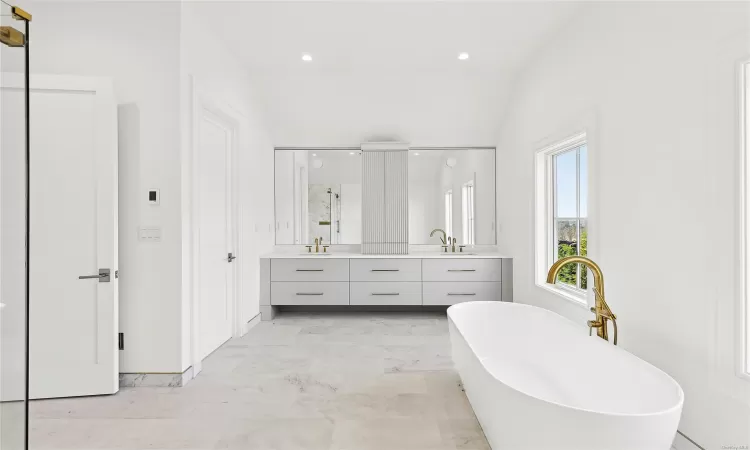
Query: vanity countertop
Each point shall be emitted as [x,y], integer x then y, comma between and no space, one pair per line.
[414,255]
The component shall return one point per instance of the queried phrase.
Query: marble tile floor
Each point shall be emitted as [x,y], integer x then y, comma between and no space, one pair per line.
[346,381]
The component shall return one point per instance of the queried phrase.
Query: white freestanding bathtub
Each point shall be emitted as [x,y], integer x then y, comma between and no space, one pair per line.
[537,381]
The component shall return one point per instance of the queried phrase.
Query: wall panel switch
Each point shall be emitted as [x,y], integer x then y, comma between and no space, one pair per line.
[149,234]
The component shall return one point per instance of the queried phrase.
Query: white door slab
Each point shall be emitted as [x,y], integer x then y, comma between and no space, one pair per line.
[214,232]
[73,322]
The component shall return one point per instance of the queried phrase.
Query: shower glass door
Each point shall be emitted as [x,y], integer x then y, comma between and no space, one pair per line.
[13,324]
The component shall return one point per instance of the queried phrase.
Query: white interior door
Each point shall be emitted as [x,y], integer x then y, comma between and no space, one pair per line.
[73,322]
[215,238]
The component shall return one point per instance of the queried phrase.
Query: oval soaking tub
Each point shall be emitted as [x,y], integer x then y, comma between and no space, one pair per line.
[537,381]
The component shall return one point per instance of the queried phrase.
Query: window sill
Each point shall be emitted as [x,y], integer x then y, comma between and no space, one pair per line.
[576,299]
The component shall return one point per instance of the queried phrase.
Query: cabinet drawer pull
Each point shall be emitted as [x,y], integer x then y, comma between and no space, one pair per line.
[309,293]
[385,293]
[461,293]
[384,270]
[462,270]
[309,270]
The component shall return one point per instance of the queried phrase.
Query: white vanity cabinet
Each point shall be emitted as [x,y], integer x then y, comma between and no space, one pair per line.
[310,293]
[385,269]
[387,280]
[462,270]
[446,293]
[308,269]
[449,281]
[369,293]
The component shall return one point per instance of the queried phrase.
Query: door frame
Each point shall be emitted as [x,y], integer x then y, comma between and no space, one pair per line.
[202,101]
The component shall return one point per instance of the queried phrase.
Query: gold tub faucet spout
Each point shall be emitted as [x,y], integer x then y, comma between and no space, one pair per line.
[601,308]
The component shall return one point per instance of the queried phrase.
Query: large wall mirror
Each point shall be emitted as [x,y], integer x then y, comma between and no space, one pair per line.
[318,194]
[453,190]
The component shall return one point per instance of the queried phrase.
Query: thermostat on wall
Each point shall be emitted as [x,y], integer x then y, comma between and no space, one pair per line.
[153,196]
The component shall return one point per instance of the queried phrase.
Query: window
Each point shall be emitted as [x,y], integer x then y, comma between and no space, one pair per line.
[449,212]
[570,191]
[467,213]
[562,214]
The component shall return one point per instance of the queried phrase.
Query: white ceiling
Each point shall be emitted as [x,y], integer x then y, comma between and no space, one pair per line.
[384,70]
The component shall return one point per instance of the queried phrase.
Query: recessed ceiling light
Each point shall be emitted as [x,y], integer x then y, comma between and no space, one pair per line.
[351,153]
[463,56]
[306,57]
[416,154]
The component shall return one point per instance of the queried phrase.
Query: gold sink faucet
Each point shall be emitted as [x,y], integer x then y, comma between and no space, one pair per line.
[601,308]
[443,238]
[318,243]
[451,244]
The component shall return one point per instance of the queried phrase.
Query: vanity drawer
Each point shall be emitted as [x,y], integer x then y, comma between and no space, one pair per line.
[386,293]
[442,293]
[310,269]
[461,269]
[309,293]
[386,269]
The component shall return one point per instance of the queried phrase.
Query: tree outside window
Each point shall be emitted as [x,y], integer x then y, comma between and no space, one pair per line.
[570,197]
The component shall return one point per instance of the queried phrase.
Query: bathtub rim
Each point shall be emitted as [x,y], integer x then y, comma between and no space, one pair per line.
[677,407]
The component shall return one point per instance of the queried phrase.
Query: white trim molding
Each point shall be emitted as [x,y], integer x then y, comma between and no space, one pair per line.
[544,213]
[743,305]
[201,103]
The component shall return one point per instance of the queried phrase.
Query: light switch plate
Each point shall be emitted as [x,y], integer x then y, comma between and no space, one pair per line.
[149,234]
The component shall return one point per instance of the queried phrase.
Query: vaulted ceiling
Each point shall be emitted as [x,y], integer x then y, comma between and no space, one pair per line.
[384,70]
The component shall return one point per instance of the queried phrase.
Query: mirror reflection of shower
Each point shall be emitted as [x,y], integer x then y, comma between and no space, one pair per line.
[324,208]
[318,193]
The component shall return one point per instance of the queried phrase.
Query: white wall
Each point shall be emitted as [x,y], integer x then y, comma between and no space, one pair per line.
[151,72]
[655,84]
[217,75]
[438,107]
[284,196]
[99,39]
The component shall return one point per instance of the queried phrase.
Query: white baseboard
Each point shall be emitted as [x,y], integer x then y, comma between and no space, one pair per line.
[681,442]
[250,324]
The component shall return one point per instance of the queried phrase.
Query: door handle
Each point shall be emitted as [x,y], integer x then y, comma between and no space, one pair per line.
[231,257]
[103,276]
